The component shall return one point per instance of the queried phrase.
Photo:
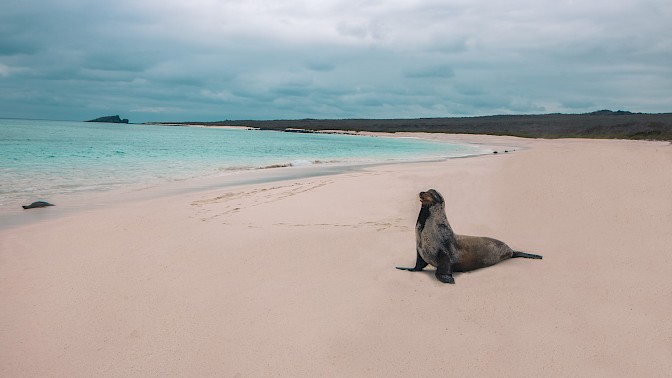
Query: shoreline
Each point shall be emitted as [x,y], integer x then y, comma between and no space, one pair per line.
[301,272]
[68,204]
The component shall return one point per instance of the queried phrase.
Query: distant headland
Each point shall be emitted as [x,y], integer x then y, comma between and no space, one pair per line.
[110,119]
[602,124]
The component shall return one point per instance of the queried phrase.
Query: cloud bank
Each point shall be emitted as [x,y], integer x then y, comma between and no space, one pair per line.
[211,60]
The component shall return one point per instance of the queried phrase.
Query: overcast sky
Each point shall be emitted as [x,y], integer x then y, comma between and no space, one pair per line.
[167,60]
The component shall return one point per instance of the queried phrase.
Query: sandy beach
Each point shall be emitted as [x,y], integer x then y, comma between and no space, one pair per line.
[296,278]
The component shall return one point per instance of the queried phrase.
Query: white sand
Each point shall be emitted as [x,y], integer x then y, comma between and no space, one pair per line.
[297,278]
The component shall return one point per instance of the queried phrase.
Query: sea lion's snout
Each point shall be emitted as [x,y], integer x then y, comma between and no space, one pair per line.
[430,197]
[426,198]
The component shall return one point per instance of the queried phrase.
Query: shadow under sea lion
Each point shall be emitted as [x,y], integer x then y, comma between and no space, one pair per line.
[438,245]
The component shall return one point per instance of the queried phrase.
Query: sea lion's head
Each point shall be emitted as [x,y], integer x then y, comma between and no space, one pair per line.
[431,198]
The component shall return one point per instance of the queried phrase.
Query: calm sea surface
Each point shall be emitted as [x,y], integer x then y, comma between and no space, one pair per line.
[40,159]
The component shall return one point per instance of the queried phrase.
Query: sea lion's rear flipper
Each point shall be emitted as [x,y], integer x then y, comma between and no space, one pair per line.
[420,264]
[526,255]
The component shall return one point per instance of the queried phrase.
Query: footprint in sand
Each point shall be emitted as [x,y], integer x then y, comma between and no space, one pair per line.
[236,201]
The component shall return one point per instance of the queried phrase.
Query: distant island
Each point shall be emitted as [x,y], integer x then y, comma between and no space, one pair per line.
[602,124]
[110,119]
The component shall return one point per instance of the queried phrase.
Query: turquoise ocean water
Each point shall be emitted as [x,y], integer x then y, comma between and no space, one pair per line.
[41,159]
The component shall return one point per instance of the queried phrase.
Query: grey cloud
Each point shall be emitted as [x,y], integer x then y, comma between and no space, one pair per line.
[215,60]
[449,45]
[578,104]
[470,89]
[434,71]
[373,30]
[110,60]
[16,45]
[320,65]
[296,90]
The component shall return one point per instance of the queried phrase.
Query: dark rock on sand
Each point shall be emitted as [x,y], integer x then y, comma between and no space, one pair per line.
[36,205]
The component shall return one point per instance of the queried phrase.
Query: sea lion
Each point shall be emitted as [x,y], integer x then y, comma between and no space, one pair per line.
[36,205]
[438,245]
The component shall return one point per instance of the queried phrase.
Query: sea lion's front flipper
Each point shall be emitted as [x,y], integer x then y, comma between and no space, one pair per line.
[420,264]
[444,271]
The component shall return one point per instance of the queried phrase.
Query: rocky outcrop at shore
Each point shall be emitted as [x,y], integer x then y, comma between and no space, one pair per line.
[110,119]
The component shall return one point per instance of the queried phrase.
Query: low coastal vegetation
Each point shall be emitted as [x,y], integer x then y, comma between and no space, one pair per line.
[603,124]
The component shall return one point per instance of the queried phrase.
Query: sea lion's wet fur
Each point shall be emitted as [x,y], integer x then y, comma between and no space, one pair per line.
[438,245]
